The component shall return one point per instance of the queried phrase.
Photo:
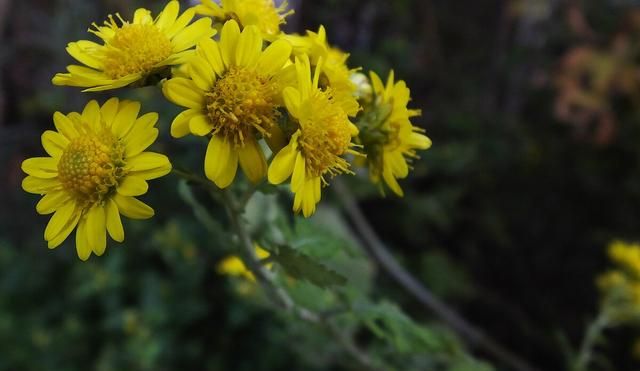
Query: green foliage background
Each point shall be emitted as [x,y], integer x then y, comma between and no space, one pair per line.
[506,217]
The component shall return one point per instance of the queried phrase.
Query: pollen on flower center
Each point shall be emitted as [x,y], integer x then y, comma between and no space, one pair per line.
[135,48]
[91,166]
[325,137]
[240,101]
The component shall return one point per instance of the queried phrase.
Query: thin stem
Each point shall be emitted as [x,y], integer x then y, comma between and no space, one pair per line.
[594,331]
[379,252]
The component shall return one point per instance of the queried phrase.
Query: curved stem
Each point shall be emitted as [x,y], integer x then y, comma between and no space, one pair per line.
[594,331]
[379,252]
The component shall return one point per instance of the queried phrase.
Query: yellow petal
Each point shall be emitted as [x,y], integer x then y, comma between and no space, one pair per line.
[419,141]
[132,207]
[149,165]
[41,167]
[183,20]
[282,164]
[180,125]
[210,51]
[83,248]
[109,110]
[274,57]
[147,121]
[249,47]
[303,70]
[52,201]
[201,73]
[97,229]
[392,182]
[142,16]
[200,125]
[133,186]
[59,220]
[299,173]
[190,35]
[79,53]
[139,140]
[220,162]
[91,114]
[168,15]
[40,186]
[183,92]
[228,40]
[378,87]
[113,221]
[252,161]
[65,231]
[54,143]
[125,118]
[292,101]
[64,126]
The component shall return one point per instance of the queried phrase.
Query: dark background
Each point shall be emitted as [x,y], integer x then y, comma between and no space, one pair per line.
[506,217]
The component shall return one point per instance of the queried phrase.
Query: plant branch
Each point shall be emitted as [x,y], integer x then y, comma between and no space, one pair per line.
[277,294]
[379,252]
[594,331]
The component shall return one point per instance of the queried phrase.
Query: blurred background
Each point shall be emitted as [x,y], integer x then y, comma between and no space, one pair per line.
[533,107]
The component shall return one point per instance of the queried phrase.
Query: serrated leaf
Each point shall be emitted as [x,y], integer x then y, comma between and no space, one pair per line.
[303,267]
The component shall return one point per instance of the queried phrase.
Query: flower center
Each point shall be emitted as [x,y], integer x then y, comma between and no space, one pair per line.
[325,136]
[135,48]
[241,101]
[91,166]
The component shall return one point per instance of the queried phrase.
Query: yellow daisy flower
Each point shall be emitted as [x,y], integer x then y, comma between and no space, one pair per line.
[233,93]
[335,72]
[132,52]
[391,143]
[96,168]
[322,137]
[260,13]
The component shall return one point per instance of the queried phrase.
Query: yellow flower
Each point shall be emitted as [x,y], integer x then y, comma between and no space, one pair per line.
[96,167]
[391,142]
[134,51]
[335,73]
[234,92]
[323,135]
[627,256]
[260,13]
[233,266]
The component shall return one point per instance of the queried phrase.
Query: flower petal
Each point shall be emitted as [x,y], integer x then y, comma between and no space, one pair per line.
[168,15]
[41,167]
[97,229]
[59,220]
[252,161]
[228,40]
[299,173]
[133,186]
[282,164]
[132,207]
[109,110]
[139,140]
[83,248]
[210,51]
[183,92]
[190,35]
[149,165]
[54,143]
[64,126]
[220,162]
[125,118]
[201,73]
[40,186]
[200,125]
[65,231]
[52,201]
[180,125]
[249,47]
[274,57]
[113,221]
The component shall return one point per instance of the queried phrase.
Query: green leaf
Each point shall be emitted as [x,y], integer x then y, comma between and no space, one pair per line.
[303,267]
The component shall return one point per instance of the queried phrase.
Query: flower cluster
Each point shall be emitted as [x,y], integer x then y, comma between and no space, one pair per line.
[620,287]
[281,107]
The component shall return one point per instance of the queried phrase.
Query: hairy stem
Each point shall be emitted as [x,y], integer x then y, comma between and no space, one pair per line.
[594,331]
[379,252]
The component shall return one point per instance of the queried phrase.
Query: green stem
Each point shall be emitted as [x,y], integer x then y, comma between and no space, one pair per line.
[594,331]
